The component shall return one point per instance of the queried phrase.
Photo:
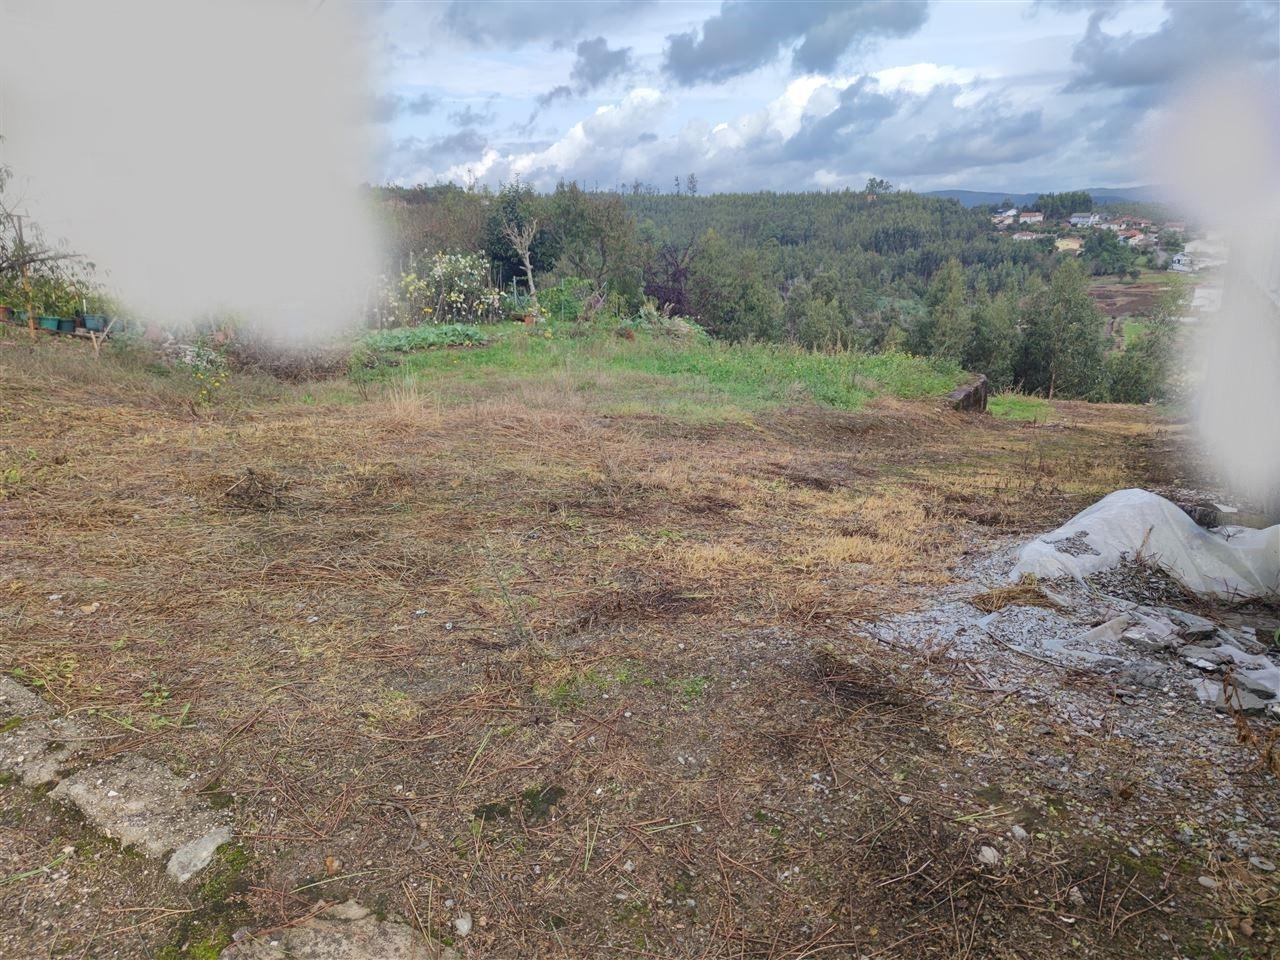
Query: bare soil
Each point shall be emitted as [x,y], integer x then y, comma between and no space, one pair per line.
[610,685]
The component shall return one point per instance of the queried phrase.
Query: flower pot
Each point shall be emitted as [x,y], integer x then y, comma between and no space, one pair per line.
[95,322]
[47,323]
[66,326]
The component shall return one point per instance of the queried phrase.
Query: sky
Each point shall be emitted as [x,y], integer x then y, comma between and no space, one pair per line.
[795,94]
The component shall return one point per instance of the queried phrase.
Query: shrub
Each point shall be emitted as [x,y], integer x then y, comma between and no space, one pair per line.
[443,288]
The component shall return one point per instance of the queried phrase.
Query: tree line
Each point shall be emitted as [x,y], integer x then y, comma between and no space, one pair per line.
[871,269]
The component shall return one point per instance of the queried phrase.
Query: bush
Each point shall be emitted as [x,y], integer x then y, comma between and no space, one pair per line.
[517,305]
[566,300]
[653,321]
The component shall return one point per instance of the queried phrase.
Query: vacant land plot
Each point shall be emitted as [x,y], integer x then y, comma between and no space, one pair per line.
[575,664]
[1132,298]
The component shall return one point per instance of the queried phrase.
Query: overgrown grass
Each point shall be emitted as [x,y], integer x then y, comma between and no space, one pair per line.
[1018,406]
[674,375]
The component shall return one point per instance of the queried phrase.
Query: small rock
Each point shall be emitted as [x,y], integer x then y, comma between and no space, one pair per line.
[1207,882]
[462,924]
[1019,834]
[988,856]
[1263,864]
[1202,657]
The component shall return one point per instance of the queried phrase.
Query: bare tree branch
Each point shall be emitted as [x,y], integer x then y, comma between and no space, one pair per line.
[521,238]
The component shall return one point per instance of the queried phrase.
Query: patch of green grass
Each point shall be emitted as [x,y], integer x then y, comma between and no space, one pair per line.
[690,688]
[1017,406]
[690,380]
[1133,329]
[425,337]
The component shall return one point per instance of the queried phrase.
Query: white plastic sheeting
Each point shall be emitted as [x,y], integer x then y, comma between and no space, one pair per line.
[1137,525]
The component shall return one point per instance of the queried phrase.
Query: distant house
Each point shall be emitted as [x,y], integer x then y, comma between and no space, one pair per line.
[1001,221]
[1025,235]
[1085,220]
[1182,263]
[1177,226]
[1011,212]
[1031,216]
[1068,244]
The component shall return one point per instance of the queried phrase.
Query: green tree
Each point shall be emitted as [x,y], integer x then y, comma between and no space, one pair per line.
[1143,370]
[952,337]
[1059,206]
[516,209]
[729,293]
[1106,254]
[1062,337]
[997,341]
[597,240]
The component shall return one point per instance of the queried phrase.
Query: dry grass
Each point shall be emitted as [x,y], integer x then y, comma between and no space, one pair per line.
[590,676]
[1025,593]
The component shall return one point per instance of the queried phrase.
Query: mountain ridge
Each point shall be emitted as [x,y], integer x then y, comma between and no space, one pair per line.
[1145,193]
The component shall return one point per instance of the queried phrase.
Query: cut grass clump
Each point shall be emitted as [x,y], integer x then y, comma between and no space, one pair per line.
[1017,406]
[409,339]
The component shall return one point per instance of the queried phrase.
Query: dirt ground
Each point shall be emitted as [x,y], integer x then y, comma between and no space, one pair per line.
[1135,299]
[610,686]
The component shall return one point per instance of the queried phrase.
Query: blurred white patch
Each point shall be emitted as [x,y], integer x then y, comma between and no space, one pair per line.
[1220,150]
[206,154]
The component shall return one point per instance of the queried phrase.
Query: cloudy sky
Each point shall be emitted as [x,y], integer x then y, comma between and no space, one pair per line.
[795,94]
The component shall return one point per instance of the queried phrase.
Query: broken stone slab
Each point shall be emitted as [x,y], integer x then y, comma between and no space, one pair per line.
[1242,658]
[1205,658]
[1147,640]
[36,750]
[17,701]
[1240,700]
[1264,682]
[141,804]
[1207,691]
[1105,634]
[346,931]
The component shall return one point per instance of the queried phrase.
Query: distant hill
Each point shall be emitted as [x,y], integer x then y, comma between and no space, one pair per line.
[1101,196]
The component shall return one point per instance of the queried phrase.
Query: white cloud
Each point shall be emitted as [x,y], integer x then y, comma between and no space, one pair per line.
[920,78]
